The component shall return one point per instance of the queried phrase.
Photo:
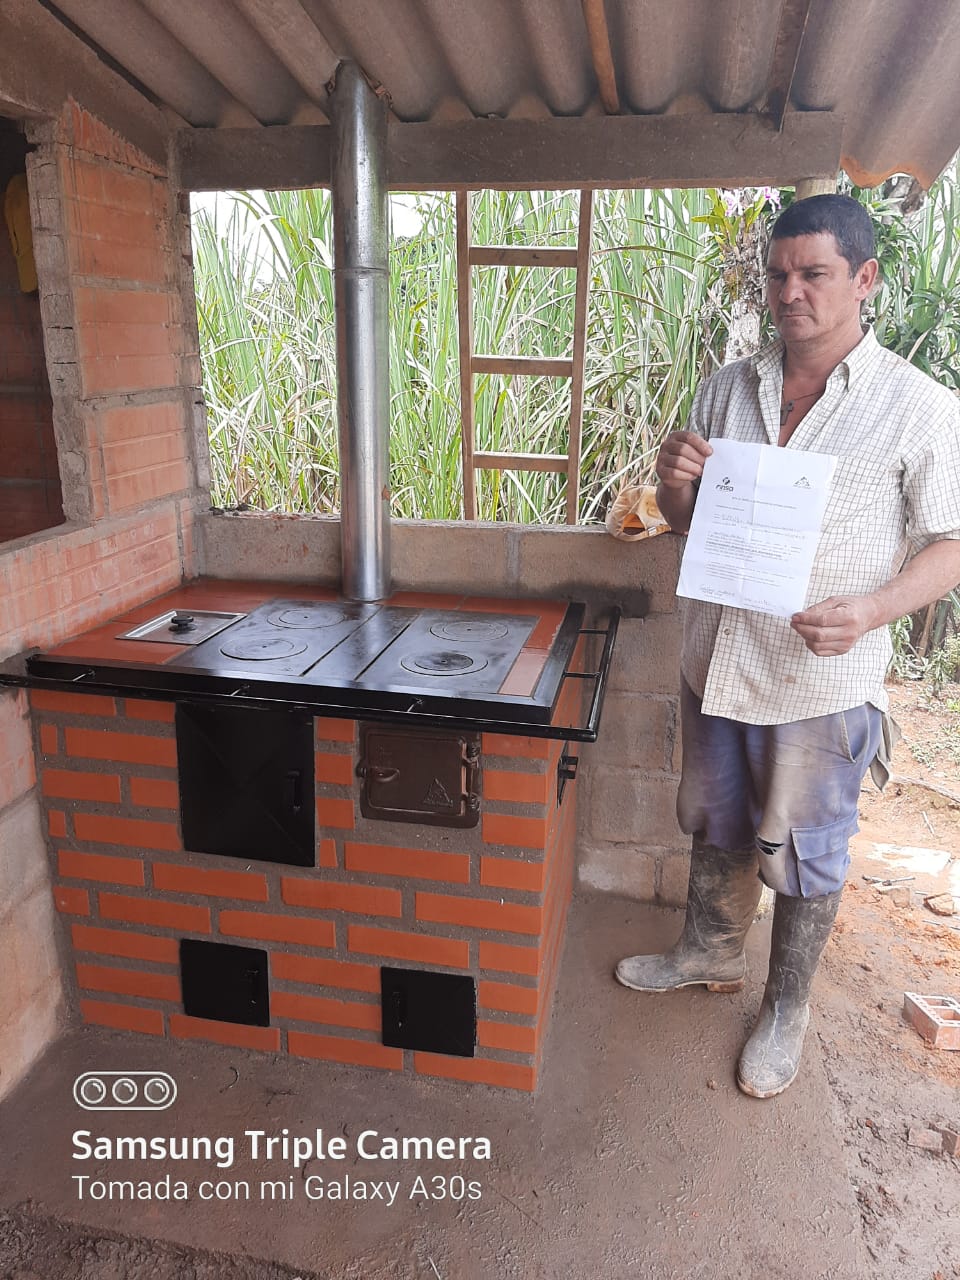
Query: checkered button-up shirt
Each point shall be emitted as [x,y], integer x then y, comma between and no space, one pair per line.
[896,489]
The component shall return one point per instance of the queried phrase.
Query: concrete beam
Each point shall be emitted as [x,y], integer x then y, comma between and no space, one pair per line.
[729,150]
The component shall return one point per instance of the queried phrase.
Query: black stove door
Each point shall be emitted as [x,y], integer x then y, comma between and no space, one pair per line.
[246,783]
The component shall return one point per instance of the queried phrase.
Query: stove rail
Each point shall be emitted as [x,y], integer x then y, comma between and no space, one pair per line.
[169,685]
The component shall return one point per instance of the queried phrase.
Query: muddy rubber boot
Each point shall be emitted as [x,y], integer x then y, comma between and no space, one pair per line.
[722,897]
[771,1057]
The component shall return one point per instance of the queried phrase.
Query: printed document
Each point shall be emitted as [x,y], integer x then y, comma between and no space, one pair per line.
[756,526]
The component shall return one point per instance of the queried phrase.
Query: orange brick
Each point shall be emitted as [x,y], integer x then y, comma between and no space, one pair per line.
[479,913]
[165,915]
[325,973]
[232,1033]
[154,793]
[518,788]
[340,1013]
[524,833]
[57,823]
[415,864]
[507,997]
[83,704]
[138,709]
[269,928]
[335,813]
[331,730]
[454,954]
[49,739]
[498,744]
[71,784]
[505,957]
[325,896]
[331,768]
[131,946]
[248,885]
[506,1035]
[510,873]
[128,982]
[508,1075]
[72,902]
[362,1053]
[327,853]
[122,1016]
[131,748]
[139,833]
[99,866]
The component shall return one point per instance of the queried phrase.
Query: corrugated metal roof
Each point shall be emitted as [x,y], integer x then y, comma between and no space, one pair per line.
[888,67]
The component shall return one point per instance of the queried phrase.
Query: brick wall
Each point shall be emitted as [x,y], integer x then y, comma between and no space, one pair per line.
[490,902]
[30,976]
[120,363]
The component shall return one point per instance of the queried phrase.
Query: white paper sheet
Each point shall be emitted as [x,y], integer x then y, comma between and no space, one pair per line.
[756,526]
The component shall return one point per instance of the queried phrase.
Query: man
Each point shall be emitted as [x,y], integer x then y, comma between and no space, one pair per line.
[783,716]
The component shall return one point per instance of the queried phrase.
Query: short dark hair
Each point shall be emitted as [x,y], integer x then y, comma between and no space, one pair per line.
[840,216]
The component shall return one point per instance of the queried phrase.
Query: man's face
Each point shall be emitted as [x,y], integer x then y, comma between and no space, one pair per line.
[810,292]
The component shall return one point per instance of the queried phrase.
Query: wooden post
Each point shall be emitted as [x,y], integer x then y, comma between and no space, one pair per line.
[465,327]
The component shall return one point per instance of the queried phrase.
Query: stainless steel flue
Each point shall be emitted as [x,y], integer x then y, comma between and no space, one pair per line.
[361,291]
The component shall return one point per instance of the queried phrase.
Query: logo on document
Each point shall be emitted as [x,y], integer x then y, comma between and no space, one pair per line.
[725,486]
[802,483]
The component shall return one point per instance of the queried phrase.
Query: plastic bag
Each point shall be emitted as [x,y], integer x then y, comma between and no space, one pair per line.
[634,513]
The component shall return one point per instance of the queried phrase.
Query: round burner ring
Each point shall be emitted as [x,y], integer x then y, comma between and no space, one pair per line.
[469,630]
[308,616]
[262,648]
[442,662]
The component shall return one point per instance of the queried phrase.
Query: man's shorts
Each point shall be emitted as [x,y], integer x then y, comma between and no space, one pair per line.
[790,789]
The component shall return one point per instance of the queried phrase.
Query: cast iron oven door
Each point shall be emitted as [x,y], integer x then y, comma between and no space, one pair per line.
[420,775]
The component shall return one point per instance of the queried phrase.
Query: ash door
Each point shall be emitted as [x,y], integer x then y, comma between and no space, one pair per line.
[418,775]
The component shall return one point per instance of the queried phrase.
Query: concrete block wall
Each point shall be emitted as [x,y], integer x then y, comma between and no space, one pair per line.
[628,839]
[120,352]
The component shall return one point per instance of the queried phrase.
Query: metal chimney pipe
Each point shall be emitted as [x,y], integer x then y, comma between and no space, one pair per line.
[361,289]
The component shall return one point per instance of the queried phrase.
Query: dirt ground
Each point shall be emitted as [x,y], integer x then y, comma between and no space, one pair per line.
[886,1079]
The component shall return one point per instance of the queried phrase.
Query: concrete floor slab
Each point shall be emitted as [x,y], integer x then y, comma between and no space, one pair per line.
[637,1158]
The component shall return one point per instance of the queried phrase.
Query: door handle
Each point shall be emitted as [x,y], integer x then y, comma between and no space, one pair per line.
[294,782]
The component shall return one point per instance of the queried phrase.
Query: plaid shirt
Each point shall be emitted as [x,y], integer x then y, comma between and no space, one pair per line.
[896,489]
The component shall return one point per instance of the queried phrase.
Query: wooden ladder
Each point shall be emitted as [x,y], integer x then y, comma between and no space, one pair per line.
[475,255]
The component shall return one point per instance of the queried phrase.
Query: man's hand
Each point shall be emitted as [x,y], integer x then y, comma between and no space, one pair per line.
[681,458]
[835,625]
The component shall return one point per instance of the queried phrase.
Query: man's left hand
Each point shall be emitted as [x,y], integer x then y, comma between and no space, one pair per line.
[835,625]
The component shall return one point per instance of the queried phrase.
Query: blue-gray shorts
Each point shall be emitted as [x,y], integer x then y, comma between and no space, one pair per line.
[790,789]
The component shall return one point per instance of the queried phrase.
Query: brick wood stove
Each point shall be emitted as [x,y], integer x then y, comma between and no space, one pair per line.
[487,903]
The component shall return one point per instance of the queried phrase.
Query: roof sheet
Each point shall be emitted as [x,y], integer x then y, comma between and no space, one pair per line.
[888,67]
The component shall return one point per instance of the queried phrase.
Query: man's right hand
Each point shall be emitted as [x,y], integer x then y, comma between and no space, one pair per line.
[681,459]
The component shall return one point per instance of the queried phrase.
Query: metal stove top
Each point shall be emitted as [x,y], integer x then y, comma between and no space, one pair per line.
[337,657]
[375,647]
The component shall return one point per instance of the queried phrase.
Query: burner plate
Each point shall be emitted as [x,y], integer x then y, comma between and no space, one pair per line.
[469,630]
[308,616]
[442,662]
[262,648]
